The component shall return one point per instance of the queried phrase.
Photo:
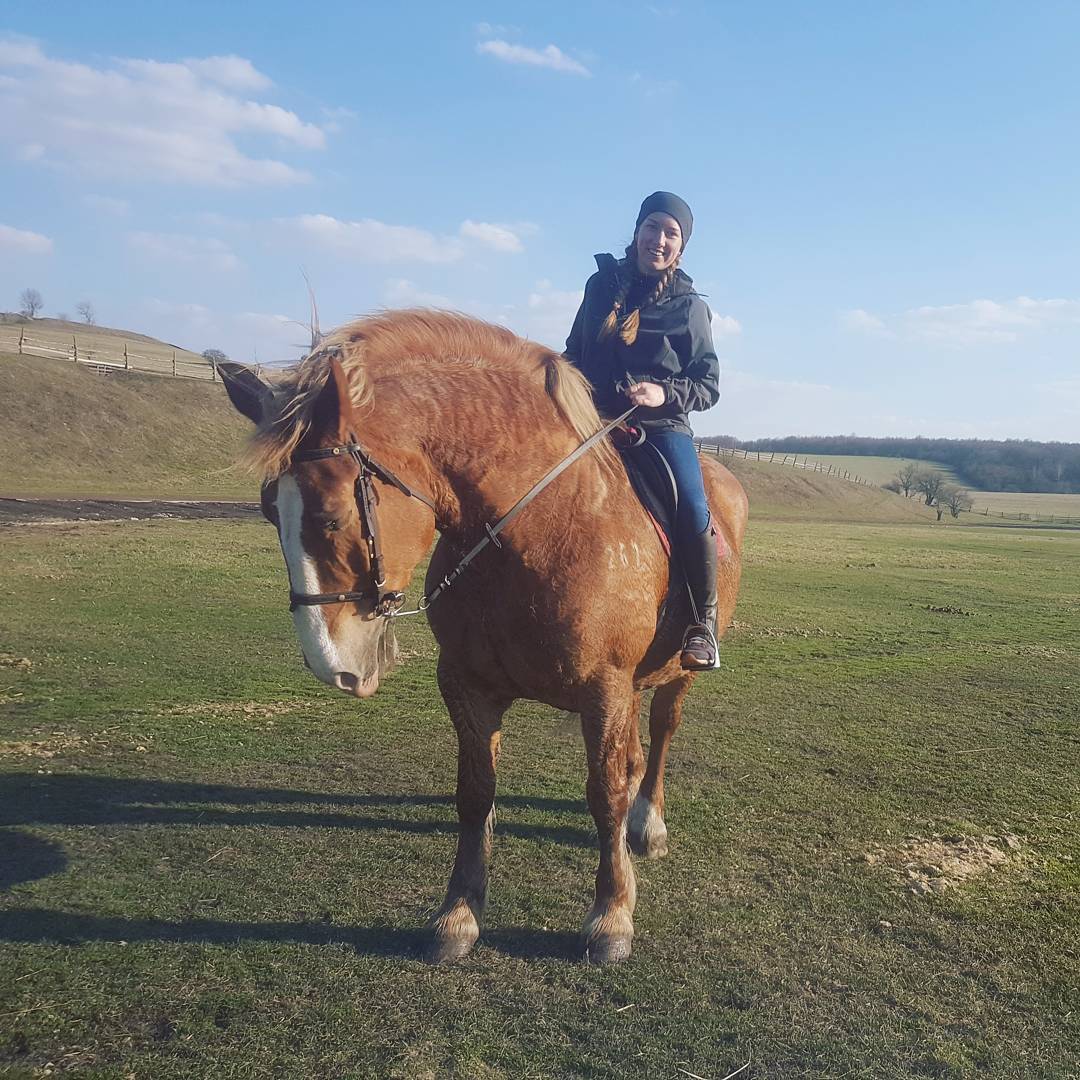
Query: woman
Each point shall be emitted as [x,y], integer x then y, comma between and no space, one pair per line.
[642,337]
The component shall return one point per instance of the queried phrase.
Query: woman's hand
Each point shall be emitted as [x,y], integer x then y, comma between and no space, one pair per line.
[649,394]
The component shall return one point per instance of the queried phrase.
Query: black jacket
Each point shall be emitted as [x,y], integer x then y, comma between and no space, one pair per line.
[674,348]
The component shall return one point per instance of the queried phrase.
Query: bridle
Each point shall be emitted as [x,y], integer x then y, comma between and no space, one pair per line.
[386,604]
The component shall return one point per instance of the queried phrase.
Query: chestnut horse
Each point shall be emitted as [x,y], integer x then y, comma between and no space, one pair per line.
[571,608]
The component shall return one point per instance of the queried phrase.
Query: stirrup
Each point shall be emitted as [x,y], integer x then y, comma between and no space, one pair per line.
[698,659]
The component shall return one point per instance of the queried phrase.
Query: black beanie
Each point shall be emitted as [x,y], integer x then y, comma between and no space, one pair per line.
[665,202]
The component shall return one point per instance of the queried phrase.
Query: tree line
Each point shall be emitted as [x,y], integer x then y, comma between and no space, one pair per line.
[992,465]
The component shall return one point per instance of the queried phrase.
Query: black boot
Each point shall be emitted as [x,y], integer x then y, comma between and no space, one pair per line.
[698,556]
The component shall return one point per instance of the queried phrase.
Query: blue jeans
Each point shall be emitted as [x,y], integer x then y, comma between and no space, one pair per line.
[678,450]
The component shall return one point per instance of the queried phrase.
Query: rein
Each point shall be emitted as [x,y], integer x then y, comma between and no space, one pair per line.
[388,603]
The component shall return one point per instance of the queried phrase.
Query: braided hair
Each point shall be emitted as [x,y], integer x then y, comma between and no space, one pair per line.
[625,276]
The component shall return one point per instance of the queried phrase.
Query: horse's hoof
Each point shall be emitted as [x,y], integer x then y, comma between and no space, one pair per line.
[606,949]
[452,933]
[646,832]
[447,950]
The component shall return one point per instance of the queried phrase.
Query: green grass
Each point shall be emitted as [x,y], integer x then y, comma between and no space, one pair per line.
[216,867]
[1037,504]
[67,431]
[878,470]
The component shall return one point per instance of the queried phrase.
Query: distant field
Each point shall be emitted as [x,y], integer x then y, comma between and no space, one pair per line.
[878,470]
[1036,503]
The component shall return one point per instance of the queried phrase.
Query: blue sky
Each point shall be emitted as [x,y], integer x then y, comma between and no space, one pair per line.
[884,194]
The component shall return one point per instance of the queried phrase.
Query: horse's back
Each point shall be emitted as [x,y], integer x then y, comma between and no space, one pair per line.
[727,499]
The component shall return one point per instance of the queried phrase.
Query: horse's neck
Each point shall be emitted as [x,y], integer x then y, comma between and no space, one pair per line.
[477,452]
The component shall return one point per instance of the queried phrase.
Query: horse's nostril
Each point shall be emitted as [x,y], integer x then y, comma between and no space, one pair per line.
[346,680]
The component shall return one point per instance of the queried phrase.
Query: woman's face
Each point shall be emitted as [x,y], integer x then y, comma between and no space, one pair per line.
[659,241]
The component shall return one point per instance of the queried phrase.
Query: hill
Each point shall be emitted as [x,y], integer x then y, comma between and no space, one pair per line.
[60,338]
[1021,465]
[67,431]
[777,493]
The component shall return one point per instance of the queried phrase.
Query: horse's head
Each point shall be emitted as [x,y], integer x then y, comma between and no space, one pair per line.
[315,505]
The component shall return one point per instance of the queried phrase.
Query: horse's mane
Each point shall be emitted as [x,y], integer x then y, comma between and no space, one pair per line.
[394,341]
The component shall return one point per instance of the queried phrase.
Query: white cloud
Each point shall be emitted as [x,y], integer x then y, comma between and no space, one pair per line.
[725,326]
[980,322]
[378,241]
[375,241]
[246,336]
[400,292]
[857,319]
[551,56]
[106,204]
[235,72]
[24,242]
[549,314]
[204,252]
[171,122]
[498,237]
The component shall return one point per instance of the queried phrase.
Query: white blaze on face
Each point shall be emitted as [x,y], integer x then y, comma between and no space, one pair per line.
[319,649]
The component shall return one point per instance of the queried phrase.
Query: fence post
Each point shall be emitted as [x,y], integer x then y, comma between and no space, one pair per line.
[174,361]
[213,371]
[74,349]
[22,334]
[127,362]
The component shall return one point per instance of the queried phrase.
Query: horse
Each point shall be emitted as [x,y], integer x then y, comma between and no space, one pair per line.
[405,422]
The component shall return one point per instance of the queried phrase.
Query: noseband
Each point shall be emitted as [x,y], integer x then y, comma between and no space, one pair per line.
[364,493]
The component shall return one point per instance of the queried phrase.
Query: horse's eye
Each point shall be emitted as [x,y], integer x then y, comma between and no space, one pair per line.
[332,525]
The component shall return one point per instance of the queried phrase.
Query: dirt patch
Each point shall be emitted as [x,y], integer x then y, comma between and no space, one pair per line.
[46,745]
[246,710]
[46,511]
[17,663]
[942,863]
[746,629]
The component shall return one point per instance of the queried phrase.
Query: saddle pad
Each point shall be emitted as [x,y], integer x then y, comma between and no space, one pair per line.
[651,478]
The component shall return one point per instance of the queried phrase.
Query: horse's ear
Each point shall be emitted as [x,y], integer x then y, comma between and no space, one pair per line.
[245,390]
[333,407]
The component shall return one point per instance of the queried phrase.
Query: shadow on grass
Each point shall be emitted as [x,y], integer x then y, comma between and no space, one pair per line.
[32,799]
[45,926]
[28,799]
[26,858]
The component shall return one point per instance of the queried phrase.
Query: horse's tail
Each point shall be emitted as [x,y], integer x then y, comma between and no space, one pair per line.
[570,391]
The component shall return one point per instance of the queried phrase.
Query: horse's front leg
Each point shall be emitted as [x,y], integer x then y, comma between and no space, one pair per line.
[609,929]
[647,832]
[477,718]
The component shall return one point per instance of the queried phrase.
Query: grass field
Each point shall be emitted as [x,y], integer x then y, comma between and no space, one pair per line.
[878,470]
[67,431]
[214,867]
[1036,503]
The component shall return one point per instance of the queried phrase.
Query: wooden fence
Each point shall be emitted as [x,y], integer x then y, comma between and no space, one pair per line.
[168,361]
[792,461]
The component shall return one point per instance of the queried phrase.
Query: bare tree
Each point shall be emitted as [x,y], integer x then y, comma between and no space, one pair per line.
[928,483]
[86,312]
[30,303]
[905,478]
[894,486]
[955,500]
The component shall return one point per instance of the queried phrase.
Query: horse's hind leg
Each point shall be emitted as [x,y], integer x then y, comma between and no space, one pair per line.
[609,929]
[477,718]
[646,831]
